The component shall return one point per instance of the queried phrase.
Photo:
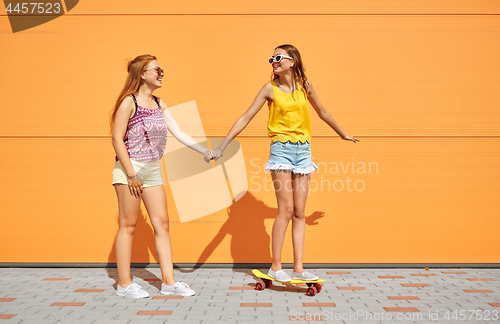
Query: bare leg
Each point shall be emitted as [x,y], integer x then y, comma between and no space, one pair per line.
[156,205]
[129,208]
[300,191]
[282,182]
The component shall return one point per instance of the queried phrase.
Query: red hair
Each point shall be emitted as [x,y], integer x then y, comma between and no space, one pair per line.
[135,68]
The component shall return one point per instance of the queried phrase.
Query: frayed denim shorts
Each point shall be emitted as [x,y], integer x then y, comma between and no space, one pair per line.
[295,157]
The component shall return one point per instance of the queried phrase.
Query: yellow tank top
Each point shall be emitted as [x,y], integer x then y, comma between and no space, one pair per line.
[289,118]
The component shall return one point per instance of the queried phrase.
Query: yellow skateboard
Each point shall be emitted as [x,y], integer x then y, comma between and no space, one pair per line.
[314,286]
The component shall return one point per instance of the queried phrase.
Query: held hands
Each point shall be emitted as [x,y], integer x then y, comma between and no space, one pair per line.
[217,153]
[207,156]
[214,154]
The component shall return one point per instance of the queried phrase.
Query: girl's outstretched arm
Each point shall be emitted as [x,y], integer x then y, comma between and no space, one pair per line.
[182,137]
[325,114]
[265,94]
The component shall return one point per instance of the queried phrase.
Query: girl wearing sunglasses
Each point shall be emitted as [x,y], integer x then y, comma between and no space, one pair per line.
[290,164]
[139,123]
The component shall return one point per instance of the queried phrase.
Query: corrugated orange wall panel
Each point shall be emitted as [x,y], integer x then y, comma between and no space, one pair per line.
[417,82]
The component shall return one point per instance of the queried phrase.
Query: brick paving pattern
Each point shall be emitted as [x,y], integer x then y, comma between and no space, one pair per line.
[87,295]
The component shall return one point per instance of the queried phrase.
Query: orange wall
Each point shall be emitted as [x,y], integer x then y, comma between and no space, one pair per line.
[417,82]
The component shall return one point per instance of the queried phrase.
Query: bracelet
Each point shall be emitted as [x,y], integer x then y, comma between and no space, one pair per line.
[131,177]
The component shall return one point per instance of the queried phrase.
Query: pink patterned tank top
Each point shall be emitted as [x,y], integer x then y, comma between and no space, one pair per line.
[146,136]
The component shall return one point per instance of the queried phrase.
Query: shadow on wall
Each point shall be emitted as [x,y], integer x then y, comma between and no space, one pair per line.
[250,242]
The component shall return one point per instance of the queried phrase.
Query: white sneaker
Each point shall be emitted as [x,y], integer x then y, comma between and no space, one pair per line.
[179,289]
[279,275]
[132,291]
[304,276]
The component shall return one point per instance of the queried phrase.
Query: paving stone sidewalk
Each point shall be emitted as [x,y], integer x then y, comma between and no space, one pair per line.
[87,295]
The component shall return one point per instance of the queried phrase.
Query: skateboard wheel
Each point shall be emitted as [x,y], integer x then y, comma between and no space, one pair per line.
[319,287]
[268,283]
[259,286]
[311,291]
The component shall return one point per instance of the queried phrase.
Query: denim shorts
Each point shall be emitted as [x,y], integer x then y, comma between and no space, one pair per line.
[295,157]
[149,173]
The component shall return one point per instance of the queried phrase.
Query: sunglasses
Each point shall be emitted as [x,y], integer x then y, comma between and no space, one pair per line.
[278,58]
[158,70]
